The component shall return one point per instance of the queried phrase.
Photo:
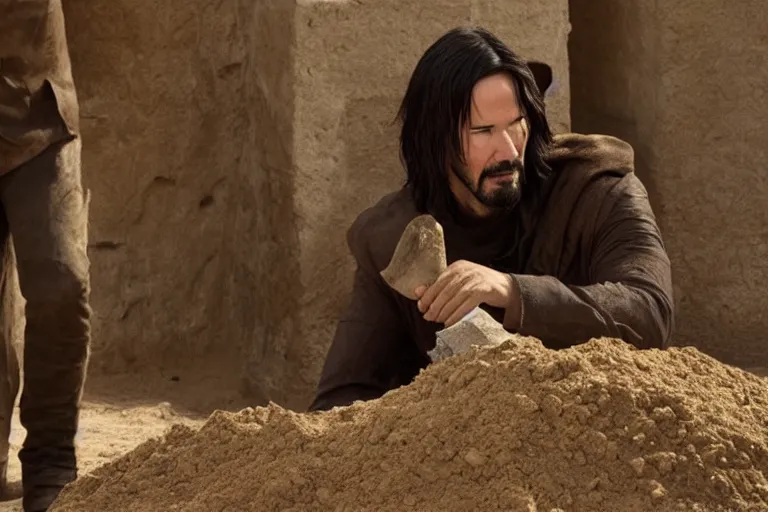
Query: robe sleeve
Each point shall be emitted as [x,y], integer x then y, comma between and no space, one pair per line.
[370,353]
[630,292]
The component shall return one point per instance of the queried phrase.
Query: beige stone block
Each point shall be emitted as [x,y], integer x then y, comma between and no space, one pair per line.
[684,82]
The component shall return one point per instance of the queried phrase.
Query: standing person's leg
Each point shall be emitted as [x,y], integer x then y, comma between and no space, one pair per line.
[46,209]
[9,366]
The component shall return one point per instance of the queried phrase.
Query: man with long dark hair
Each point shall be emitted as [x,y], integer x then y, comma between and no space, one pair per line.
[551,235]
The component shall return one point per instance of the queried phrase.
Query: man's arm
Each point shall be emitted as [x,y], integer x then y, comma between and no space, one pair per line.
[631,297]
[370,353]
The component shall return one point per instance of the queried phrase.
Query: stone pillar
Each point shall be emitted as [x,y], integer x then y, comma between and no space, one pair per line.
[684,82]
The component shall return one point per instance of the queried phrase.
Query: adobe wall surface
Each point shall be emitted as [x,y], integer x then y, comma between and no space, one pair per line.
[685,83]
[162,126]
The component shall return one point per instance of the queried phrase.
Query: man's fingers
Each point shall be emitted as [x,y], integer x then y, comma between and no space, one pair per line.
[452,295]
[449,291]
[462,310]
[452,302]
[433,291]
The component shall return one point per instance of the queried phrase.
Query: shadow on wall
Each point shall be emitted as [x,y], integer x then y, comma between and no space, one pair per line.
[262,238]
[689,95]
[614,76]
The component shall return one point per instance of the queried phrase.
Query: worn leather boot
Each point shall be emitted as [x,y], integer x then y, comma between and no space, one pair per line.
[55,360]
[9,491]
[50,412]
[46,470]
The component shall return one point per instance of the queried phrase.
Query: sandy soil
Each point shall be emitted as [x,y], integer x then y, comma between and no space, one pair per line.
[107,431]
[598,427]
[128,410]
[121,412]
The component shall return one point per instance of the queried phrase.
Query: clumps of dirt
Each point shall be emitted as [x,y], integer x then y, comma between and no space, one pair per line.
[600,427]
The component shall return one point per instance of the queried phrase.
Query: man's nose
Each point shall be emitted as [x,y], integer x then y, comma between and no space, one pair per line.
[507,149]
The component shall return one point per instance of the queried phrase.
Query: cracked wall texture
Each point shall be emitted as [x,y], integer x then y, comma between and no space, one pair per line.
[164,127]
[229,145]
[685,83]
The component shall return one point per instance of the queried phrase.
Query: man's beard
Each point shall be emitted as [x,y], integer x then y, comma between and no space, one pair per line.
[506,194]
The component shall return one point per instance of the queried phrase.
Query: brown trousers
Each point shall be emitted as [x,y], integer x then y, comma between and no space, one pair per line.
[43,223]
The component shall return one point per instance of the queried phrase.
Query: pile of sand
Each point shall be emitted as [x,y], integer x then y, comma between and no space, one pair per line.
[597,427]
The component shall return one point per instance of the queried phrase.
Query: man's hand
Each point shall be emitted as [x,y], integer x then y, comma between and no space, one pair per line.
[461,288]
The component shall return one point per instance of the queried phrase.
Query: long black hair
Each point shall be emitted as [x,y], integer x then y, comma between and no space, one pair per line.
[437,104]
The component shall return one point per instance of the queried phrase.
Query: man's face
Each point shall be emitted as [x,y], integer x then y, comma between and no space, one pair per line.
[493,143]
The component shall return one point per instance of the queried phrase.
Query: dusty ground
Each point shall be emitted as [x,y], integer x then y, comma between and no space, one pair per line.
[516,427]
[128,410]
[121,412]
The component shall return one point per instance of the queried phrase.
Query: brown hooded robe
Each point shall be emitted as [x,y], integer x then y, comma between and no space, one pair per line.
[588,262]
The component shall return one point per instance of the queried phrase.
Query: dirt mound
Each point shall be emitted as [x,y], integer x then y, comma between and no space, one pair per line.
[518,427]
